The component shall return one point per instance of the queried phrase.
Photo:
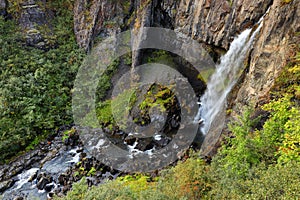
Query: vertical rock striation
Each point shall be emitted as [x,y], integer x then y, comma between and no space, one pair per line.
[97,17]
[213,22]
[216,22]
[273,48]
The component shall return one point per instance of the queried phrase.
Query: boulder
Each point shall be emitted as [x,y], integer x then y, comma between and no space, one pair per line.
[5,185]
[3,7]
[34,21]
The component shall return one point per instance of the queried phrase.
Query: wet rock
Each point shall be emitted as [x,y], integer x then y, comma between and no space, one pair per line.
[63,179]
[82,155]
[33,177]
[162,142]
[50,195]
[216,22]
[91,181]
[130,140]
[19,198]
[79,150]
[66,189]
[145,144]
[48,187]
[5,185]
[72,140]
[43,180]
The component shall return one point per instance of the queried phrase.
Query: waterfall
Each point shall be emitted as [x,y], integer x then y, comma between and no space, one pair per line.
[224,78]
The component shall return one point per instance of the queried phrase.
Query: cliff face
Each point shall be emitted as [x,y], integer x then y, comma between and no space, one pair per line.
[93,18]
[213,22]
[216,22]
[275,45]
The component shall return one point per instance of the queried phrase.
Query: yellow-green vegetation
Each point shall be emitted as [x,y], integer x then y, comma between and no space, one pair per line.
[205,74]
[251,164]
[68,133]
[35,93]
[14,7]
[162,57]
[115,110]
[158,96]
[286,1]
[104,83]
[110,111]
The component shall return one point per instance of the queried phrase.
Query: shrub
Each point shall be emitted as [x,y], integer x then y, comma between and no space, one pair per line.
[35,93]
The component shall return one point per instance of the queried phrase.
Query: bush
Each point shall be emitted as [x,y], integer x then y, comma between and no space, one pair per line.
[35,93]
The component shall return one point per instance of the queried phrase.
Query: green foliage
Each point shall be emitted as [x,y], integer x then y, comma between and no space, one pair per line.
[104,113]
[161,56]
[110,111]
[289,80]
[68,133]
[92,172]
[240,153]
[35,94]
[193,179]
[14,7]
[188,180]
[35,142]
[274,182]
[158,96]
[104,83]
[79,190]
[277,130]
[137,183]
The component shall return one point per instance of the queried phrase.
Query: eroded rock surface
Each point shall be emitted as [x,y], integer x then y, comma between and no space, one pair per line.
[3,7]
[215,23]
[93,18]
[34,21]
[275,46]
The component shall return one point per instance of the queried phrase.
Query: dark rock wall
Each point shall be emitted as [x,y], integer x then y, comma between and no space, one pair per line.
[34,21]
[93,18]
[215,23]
[3,7]
[275,45]
[212,22]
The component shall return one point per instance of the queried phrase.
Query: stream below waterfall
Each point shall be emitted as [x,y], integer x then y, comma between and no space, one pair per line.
[51,169]
[55,165]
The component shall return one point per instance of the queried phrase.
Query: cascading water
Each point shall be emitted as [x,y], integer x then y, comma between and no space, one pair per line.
[224,78]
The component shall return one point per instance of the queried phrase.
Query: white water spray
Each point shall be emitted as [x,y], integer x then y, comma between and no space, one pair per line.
[224,78]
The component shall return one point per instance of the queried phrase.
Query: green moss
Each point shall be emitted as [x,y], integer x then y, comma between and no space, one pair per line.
[116,110]
[158,96]
[104,83]
[289,79]
[246,167]
[162,57]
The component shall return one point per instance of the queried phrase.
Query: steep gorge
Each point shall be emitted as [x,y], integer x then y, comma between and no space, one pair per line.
[213,23]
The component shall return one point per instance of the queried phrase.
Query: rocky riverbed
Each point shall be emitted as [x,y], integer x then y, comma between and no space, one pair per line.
[51,168]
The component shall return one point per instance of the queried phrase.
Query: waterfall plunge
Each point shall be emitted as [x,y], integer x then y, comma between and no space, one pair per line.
[224,78]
